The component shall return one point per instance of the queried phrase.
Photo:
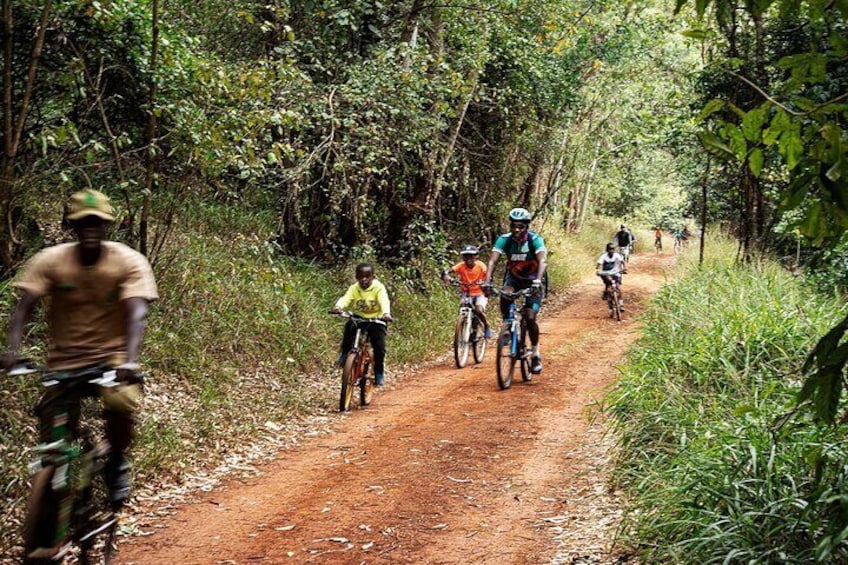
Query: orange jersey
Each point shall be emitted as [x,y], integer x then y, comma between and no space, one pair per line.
[475,274]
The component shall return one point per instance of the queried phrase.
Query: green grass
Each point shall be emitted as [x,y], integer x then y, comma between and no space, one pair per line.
[718,466]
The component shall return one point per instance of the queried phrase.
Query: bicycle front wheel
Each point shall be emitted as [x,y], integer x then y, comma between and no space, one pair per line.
[478,339]
[366,385]
[505,362]
[616,304]
[350,373]
[41,517]
[460,342]
[97,522]
[526,374]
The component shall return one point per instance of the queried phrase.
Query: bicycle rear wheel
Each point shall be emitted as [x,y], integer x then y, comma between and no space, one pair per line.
[478,339]
[366,385]
[505,362]
[39,531]
[349,376]
[460,342]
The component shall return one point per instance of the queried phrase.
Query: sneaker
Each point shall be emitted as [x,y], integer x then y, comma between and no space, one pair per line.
[117,476]
[536,364]
[379,379]
[487,334]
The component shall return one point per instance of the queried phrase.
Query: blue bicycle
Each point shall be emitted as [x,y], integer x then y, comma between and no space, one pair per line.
[512,348]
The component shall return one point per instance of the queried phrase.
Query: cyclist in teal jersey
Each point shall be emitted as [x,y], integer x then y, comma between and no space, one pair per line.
[526,262]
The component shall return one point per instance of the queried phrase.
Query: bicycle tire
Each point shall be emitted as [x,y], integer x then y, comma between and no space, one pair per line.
[366,385]
[526,374]
[616,304]
[349,377]
[460,343]
[39,530]
[97,520]
[505,362]
[478,338]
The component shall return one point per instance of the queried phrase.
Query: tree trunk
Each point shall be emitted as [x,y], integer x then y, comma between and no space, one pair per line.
[13,128]
[585,200]
[150,172]
[703,213]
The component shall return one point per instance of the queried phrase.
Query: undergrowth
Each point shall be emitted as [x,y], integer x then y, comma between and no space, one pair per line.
[240,344]
[718,463]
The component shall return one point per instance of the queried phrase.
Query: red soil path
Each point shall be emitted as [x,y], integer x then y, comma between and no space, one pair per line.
[444,468]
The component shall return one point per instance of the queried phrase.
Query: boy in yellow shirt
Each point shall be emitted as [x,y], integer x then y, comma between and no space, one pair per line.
[367,298]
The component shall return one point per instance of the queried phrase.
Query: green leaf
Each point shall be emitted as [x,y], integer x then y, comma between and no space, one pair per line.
[791,147]
[737,141]
[755,161]
[715,145]
[812,226]
[695,33]
[752,123]
[710,108]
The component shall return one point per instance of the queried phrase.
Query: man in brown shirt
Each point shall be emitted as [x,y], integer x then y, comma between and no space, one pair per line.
[98,293]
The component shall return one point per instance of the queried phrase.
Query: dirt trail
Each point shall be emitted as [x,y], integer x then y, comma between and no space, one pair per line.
[445,468]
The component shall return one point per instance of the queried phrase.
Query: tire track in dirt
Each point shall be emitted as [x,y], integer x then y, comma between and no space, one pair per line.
[444,468]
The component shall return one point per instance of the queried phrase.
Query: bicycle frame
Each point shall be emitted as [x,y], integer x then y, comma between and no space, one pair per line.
[515,325]
[71,464]
[357,372]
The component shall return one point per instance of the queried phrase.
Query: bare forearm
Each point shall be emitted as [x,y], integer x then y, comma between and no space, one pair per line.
[137,309]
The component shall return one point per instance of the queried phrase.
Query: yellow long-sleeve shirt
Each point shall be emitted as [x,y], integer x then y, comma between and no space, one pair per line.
[371,302]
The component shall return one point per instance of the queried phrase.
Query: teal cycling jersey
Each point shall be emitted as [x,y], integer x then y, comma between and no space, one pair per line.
[521,256]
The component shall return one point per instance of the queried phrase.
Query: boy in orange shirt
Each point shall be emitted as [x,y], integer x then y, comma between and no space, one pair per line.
[472,274]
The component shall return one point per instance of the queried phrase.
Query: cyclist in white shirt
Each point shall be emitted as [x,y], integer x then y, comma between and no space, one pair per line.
[610,267]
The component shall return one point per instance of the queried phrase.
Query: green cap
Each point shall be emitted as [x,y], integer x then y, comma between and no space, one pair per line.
[90,203]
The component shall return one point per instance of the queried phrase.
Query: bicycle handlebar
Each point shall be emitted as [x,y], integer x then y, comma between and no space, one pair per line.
[513,295]
[356,317]
[100,375]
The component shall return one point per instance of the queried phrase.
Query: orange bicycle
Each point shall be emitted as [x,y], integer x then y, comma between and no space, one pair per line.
[357,363]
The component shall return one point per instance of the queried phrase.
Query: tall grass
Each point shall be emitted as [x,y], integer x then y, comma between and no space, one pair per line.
[718,464]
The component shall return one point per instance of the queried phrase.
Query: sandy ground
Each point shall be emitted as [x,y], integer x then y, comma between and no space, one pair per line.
[441,468]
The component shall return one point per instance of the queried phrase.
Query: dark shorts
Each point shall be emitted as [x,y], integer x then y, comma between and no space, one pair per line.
[533,301]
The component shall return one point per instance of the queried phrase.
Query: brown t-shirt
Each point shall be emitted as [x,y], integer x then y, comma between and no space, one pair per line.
[87,321]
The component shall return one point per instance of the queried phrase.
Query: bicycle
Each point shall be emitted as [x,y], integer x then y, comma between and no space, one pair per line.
[69,503]
[612,292]
[512,340]
[357,362]
[658,244]
[469,333]
[678,246]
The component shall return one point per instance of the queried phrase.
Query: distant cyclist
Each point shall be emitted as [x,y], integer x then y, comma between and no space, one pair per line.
[99,292]
[526,262]
[658,239]
[610,267]
[471,271]
[369,299]
[624,239]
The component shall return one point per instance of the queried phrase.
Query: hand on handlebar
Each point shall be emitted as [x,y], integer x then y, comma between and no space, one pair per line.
[387,318]
[127,371]
[536,284]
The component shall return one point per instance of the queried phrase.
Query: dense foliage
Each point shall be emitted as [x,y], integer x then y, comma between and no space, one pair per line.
[719,464]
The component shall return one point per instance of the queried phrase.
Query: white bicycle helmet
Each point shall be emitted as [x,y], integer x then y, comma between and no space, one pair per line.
[520,215]
[470,250]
